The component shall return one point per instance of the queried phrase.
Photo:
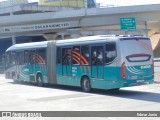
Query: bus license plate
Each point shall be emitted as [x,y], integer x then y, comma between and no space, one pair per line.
[140,81]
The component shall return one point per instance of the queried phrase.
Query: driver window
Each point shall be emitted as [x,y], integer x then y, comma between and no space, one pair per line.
[110,52]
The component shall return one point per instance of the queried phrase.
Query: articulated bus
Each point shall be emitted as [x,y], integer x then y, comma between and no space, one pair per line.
[101,62]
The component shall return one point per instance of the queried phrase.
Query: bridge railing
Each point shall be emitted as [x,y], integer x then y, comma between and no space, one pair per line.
[101,5]
[9,3]
[8,7]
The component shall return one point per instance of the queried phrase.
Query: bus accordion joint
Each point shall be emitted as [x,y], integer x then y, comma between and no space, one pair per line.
[153,68]
[123,70]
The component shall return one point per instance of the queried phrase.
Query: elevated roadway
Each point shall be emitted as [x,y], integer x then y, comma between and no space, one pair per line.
[82,21]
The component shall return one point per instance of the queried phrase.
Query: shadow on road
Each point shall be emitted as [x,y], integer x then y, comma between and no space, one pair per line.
[131,94]
[122,93]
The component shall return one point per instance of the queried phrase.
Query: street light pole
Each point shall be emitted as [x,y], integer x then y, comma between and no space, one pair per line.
[85,6]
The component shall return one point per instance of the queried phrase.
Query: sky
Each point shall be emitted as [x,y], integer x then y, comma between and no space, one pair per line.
[121,2]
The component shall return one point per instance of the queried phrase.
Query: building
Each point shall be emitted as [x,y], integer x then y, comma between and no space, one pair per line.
[69,3]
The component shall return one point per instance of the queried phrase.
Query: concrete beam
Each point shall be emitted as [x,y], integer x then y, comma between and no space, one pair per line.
[95,19]
[107,15]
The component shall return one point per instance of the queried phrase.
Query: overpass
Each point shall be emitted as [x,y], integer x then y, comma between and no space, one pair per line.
[52,22]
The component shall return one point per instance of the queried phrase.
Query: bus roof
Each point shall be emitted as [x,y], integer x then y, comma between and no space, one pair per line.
[87,39]
[28,45]
[96,39]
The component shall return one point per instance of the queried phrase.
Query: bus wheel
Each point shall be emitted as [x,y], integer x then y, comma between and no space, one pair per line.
[86,86]
[14,78]
[15,81]
[39,80]
[114,90]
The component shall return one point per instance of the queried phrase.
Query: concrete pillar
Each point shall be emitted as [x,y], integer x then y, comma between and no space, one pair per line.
[50,36]
[74,33]
[99,32]
[75,36]
[152,32]
[11,12]
[13,40]
[87,33]
[146,28]
[62,36]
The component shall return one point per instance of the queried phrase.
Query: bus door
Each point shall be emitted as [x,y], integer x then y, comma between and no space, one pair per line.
[66,62]
[19,63]
[26,66]
[76,62]
[32,58]
[97,62]
[110,68]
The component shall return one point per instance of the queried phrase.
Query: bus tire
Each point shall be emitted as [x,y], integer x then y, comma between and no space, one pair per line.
[114,89]
[15,81]
[39,80]
[85,84]
[13,76]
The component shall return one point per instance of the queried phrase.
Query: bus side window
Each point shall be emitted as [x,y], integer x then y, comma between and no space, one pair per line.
[110,52]
[76,56]
[41,56]
[20,58]
[13,58]
[85,55]
[94,55]
[8,59]
[66,56]
[58,55]
[97,55]
[2,60]
[26,57]
[32,57]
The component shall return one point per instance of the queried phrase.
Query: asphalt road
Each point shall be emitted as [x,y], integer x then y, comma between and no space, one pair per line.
[28,97]
[157,69]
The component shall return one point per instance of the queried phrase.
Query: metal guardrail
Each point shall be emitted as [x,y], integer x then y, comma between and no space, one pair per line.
[101,5]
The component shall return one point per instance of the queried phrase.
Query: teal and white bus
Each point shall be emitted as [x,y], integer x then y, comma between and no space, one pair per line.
[102,62]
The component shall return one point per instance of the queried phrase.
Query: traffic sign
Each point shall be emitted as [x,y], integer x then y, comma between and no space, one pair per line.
[128,23]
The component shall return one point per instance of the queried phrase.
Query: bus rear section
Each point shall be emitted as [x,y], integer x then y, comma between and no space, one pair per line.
[137,61]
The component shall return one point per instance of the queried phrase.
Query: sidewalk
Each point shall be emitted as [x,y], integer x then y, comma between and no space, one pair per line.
[157,64]
[157,74]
